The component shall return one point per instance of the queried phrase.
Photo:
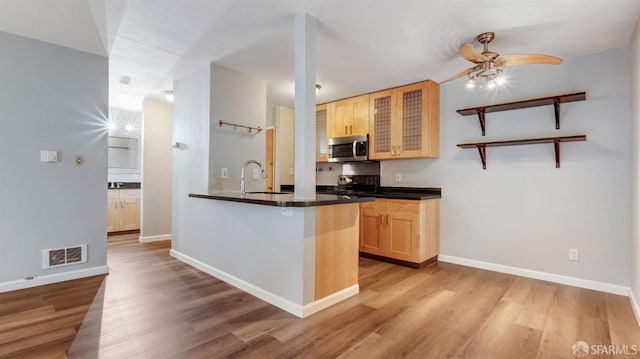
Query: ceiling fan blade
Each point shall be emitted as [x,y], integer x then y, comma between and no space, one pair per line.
[525,59]
[459,75]
[470,54]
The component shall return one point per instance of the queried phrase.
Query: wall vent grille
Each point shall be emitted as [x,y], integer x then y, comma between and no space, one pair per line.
[57,257]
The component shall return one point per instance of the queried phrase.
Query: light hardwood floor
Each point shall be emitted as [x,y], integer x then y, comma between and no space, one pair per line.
[152,306]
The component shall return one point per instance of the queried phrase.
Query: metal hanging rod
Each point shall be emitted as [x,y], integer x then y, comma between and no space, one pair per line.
[235,126]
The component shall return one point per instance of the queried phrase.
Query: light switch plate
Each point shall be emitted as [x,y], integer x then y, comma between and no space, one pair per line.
[256,173]
[48,156]
[224,173]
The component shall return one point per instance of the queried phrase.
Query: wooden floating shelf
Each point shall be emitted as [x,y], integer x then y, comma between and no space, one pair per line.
[543,101]
[482,146]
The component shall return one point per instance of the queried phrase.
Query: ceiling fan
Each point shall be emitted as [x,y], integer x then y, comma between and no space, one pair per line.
[488,64]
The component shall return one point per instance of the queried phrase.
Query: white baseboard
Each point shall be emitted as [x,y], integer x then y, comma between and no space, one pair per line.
[549,277]
[52,278]
[634,305]
[161,237]
[271,298]
[278,301]
[329,300]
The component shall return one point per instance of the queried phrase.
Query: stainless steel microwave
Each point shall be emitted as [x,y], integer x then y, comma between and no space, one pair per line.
[349,148]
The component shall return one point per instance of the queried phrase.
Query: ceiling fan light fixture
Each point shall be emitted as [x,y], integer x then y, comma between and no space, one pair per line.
[486,71]
[471,83]
[491,83]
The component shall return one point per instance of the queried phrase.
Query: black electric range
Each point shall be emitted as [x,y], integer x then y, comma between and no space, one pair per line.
[357,184]
[369,186]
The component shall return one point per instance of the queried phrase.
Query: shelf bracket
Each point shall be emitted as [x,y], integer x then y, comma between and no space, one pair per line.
[481,118]
[556,147]
[482,150]
[556,109]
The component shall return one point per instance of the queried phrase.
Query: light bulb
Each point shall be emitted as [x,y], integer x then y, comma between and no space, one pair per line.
[129,128]
[112,126]
[168,94]
[491,83]
[471,84]
[500,80]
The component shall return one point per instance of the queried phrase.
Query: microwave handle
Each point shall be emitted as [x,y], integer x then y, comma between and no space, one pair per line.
[355,152]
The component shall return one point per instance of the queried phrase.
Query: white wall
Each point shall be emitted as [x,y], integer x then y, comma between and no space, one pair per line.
[190,162]
[53,98]
[236,98]
[253,243]
[635,156]
[522,211]
[156,165]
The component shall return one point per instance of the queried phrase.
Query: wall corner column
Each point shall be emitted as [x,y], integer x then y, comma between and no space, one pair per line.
[305,104]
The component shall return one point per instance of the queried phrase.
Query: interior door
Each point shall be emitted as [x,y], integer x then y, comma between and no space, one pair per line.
[270,132]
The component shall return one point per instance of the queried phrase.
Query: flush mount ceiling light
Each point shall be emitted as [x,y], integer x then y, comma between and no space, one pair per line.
[487,70]
[168,94]
[318,87]
[125,81]
[129,128]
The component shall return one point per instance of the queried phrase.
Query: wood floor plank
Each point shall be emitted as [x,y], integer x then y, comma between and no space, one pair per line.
[153,306]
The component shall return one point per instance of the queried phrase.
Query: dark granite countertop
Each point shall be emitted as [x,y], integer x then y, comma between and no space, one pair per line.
[410,193]
[283,199]
[123,185]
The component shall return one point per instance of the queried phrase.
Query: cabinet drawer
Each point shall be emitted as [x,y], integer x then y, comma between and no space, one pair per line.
[378,204]
[406,206]
[129,193]
[113,194]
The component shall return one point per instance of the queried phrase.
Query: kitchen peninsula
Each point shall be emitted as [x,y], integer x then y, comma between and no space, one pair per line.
[298,254]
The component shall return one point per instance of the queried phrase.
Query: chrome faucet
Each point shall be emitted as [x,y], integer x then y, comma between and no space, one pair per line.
[264,174]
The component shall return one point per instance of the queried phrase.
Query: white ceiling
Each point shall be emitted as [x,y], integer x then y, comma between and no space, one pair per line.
[362,45]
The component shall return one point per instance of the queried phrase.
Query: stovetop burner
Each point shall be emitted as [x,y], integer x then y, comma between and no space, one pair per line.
[357,184]
[359,180]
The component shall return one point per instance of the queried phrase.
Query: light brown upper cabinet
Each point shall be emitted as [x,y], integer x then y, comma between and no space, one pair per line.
[349,116]
[405,122]
[322,149]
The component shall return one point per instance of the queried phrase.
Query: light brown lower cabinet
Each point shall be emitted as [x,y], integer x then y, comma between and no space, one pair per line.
[336,266]
[403,230]
[123,210]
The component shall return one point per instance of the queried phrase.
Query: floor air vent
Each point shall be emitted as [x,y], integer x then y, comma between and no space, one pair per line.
[64,256]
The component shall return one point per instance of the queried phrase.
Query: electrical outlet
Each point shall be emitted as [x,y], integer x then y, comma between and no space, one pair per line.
[291,170]
[398,177]
[573,254]
[256,173]
[224,173]
[287,211]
